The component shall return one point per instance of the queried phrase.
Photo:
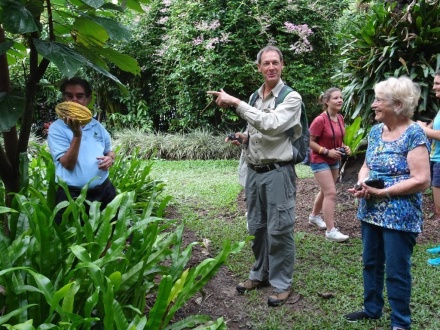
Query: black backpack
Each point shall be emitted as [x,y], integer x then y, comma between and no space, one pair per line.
[301,145]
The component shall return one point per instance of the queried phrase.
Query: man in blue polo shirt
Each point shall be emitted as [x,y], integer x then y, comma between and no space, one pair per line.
[82,154]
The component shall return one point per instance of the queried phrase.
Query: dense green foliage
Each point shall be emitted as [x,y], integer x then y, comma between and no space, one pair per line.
[36,35]
[186,48]
[198,144]
[68,276]
[390,42]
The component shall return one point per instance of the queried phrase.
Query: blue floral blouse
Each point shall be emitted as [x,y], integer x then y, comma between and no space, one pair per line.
[388,160]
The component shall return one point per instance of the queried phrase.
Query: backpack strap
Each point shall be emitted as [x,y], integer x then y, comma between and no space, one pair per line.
[282,94]
[254,98]
[279,99]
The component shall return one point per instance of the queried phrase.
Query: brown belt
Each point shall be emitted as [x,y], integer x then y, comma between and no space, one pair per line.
[268,167]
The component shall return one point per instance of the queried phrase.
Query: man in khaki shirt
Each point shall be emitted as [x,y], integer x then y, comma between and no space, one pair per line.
[270,182]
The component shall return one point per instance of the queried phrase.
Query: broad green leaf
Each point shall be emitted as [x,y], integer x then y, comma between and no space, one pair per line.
[160,307]
[5,46]
[81,253]
[91,56]
[60,294]
[16,18]
[189,322]
[69,298]
[116,280]
[138,323]
[19,247]
[119,317]
[59,2]
[89,33]
[112,6]
[4,209]
[5,259]
[135,5]
[178,286]
[43,283]
[11,109]
[115,30]
[91,303]
[94,3]
[109,316]
[123,61]
[5,318]
[109,75]
[67,60]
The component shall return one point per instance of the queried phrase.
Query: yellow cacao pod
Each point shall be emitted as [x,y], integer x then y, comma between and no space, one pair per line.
[75,111]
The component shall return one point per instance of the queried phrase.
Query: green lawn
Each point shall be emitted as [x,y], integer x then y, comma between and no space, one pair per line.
[205,191]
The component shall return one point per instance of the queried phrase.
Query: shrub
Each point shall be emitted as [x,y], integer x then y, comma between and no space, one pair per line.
[69,276]
[385,42]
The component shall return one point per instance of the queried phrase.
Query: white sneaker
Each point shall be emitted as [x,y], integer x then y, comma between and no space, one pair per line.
[335,235]
[317,221]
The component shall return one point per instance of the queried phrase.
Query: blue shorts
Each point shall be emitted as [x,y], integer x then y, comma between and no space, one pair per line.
[435,174]
[319,167]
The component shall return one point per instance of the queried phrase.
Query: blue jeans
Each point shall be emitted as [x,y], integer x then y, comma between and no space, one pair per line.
[387,251]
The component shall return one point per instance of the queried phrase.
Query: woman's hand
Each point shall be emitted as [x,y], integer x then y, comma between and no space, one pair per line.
[359,190]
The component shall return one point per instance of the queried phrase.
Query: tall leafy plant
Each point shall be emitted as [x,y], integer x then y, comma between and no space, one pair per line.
[68,276]
[389,41]
[70,35]
[185,48]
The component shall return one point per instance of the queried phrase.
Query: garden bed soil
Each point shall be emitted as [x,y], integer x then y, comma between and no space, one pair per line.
[221,298]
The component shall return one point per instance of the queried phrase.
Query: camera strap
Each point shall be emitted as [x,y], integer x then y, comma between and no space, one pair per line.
[333,130]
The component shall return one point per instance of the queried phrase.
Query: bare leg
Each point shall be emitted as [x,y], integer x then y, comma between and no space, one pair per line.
[325,199]
[436,195]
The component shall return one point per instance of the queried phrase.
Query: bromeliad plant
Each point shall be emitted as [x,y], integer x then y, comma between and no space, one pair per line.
[354,136]
[70,277]
[388,41]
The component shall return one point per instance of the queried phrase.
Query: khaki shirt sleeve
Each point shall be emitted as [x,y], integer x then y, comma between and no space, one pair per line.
[272,121]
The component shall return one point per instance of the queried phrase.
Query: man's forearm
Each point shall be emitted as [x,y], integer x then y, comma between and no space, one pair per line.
[69,159]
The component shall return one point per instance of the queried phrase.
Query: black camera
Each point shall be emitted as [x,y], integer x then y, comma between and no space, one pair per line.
[375,183]
[232,137]
[342,151]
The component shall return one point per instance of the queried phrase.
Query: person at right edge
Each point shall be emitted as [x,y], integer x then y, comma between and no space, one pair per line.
[432,130]
[391,217]
[326,141]
[270,180]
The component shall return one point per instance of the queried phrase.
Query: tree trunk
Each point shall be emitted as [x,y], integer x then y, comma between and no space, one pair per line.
[14,144]
[8,168]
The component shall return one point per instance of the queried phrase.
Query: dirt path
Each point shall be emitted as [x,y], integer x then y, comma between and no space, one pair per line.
[222,300]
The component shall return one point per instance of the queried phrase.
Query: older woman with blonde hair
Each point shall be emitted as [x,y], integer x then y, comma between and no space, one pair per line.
[390,185]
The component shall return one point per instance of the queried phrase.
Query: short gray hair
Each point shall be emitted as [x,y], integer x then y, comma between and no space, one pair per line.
[400,90]
[268,49]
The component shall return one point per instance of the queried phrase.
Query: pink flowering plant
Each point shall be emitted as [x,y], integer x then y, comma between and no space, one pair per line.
[303,31]
[185,49]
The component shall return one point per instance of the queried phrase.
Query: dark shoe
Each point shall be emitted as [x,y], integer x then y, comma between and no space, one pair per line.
[251,285]
[358,316]
[278,299]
